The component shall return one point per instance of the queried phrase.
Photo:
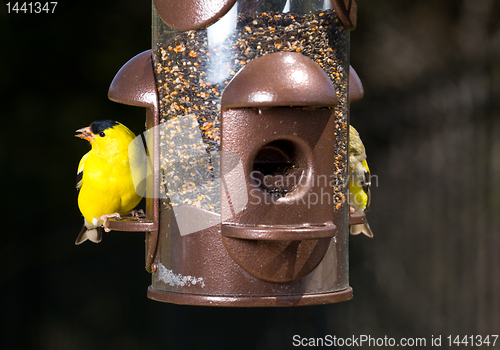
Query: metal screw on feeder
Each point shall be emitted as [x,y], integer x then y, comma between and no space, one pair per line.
[247,137]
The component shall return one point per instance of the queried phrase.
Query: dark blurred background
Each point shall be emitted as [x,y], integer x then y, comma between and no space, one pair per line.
[431,125]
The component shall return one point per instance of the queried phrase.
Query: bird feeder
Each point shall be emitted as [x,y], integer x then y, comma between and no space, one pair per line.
[247,139]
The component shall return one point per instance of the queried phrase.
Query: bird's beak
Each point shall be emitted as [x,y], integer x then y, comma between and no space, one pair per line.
[86,134]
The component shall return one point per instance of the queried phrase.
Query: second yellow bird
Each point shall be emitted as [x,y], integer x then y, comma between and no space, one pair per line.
[359,181]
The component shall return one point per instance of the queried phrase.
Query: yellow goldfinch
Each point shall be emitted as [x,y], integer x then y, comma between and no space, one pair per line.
[104,177]
[359,181]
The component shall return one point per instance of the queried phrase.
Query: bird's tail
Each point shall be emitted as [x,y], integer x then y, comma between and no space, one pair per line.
[361,228]
[93,234]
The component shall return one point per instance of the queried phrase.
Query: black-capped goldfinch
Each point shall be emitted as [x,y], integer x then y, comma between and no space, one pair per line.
[104,178]
[359,181]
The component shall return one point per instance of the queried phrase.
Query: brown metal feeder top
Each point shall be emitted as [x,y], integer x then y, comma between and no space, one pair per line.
[261,85]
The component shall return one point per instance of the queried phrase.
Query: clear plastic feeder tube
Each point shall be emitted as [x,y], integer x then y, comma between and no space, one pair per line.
[193,68]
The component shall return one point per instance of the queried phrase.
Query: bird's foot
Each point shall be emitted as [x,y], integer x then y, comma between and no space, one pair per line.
[352,210]
[136,213]
[105,220]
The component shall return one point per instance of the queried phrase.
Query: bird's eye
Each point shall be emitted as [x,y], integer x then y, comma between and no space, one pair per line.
[102,134]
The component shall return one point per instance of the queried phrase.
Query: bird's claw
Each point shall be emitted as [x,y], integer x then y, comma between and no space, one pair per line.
[105,220]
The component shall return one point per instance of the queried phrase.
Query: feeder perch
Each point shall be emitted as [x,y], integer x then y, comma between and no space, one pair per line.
[247,139]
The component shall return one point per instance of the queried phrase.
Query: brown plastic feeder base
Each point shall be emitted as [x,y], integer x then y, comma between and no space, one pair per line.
[241,301]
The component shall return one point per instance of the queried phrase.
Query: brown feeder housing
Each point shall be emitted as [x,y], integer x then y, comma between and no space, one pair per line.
[247,137]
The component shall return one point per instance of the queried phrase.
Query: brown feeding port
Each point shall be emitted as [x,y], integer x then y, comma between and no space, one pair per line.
[246,135]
